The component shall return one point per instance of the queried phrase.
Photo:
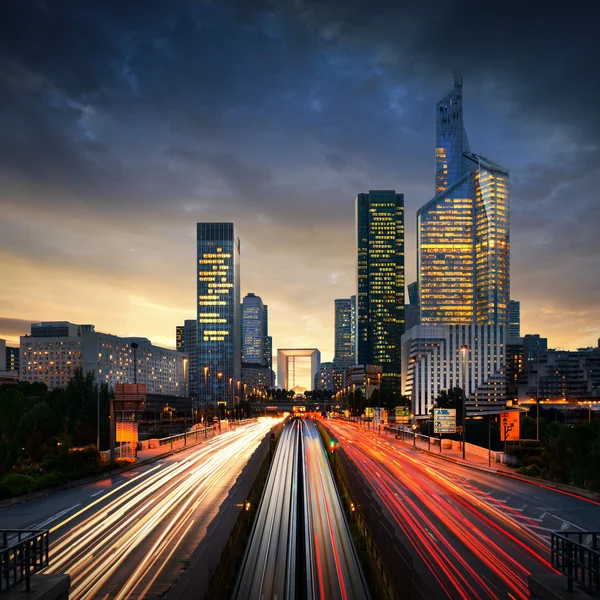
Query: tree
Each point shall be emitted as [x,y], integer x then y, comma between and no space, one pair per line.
[452,398]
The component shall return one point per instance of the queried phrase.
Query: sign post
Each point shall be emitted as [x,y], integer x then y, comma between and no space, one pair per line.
[510,426]
[402,415]
[444,420]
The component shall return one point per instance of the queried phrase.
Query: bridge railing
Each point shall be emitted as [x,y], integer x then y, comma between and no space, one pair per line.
[576,554]
[23,552]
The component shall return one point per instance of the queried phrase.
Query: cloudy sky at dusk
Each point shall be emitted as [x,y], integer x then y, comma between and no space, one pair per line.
[123,124]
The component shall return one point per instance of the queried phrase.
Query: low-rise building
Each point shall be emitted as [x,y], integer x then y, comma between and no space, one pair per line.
[324,379]
[440,357]
[55,349]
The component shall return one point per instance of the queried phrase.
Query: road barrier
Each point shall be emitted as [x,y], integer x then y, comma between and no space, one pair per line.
[576,554]
[212,567]
[23,552]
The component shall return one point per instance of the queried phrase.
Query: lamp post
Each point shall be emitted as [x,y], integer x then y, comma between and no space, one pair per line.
[219,376]
[231,391]
[98,406]
[463,351]
[537,392]
[205,389]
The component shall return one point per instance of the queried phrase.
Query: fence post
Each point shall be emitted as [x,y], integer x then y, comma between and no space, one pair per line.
[570,549]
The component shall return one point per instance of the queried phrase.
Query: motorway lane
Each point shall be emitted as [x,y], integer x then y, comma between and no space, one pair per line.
[268,568]
[279,563]
[126,536]
[336,571]
[475,532]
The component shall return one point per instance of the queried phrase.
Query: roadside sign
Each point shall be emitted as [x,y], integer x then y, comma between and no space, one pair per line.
[444,420]
[510,430]
[402,414]
[127,431]
[369,411]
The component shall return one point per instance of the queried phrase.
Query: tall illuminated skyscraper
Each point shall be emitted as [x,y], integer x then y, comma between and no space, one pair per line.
[344,348]
[253,329]
[463,241]
[219,329]
[380,293]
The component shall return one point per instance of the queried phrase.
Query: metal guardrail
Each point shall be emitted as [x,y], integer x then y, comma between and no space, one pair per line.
[190,435]
[22,553]
[576,554]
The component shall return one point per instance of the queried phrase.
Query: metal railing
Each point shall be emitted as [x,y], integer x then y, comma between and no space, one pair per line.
[22,553]
[576,554]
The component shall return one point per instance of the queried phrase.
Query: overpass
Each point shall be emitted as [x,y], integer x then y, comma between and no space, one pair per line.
[309,405]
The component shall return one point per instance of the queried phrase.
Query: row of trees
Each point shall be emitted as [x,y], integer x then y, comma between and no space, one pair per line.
[36,423]
[384,398]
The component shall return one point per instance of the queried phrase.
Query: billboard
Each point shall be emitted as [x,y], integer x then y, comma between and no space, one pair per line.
[510,430]
[444,420]
[127,431]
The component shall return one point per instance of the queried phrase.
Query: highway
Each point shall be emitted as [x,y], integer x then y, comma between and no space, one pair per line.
[128,536]
[473,534]
[300,546]
[335,570]
[269,567]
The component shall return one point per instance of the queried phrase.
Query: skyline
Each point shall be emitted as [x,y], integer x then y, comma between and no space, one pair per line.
[105,175]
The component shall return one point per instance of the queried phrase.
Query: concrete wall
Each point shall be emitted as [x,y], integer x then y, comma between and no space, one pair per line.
[206,560]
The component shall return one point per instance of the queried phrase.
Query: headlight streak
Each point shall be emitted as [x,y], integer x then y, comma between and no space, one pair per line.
[496,539]
[163,502]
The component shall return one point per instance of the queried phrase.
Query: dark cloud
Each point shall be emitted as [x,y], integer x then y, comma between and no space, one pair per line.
[123,125]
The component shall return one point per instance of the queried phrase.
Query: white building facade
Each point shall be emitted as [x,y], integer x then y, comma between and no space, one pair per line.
[439,357]
[54,350]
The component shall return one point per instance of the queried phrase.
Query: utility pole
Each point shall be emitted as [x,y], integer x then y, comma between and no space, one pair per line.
[463,350]
[537,392]
[98,408]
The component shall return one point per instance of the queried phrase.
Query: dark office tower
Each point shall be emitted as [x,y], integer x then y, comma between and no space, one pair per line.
[380,274]
[353,325]
[253,331]
[219,329]
[180,338]
[344,350]
[463,242]
[514,311]
[187,341]
[534,347]
[267,339]
[413,293]
[411,310]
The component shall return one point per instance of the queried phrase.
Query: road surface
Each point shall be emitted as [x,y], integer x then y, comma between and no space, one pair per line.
[301,546]
[473,534]
[128,536]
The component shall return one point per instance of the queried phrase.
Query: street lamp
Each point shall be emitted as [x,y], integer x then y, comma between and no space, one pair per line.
[231,391]
[463,351]
[205,389]
[98,406]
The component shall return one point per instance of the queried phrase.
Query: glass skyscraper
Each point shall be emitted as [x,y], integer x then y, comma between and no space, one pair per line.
[253,330]
[380,274]
[219,329]
[514,311]
[344,343]
[463,242]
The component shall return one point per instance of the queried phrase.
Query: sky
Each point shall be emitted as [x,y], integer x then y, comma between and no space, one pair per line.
[123,124]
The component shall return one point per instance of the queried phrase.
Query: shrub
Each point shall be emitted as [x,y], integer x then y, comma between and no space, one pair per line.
[16,484]
[530,470]
[49,480]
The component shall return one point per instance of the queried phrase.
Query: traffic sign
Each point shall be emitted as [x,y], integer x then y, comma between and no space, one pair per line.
[402,414]
[510,426]
[444,420]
